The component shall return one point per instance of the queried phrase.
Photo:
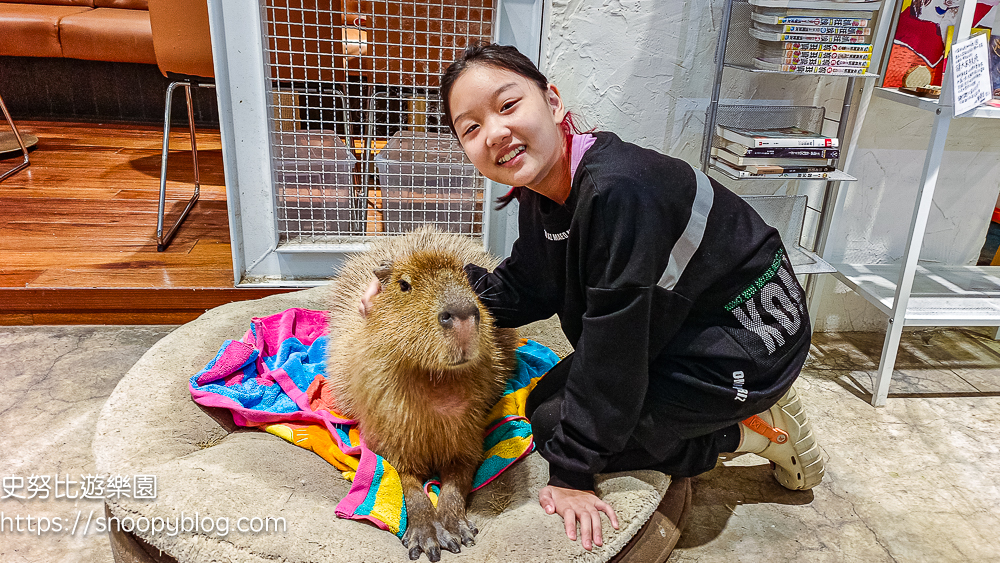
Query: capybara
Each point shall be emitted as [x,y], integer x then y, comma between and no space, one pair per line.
[420,372]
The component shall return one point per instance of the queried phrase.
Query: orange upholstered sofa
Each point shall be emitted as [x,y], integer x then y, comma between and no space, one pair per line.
[97,30]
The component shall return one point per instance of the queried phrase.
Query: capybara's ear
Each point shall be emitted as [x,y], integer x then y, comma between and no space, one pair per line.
[383,271]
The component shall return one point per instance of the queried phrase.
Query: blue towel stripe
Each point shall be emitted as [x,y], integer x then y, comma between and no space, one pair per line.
[369,503]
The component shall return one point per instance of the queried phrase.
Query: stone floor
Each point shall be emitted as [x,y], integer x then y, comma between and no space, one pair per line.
[916,480]
[55,381]
[913,481]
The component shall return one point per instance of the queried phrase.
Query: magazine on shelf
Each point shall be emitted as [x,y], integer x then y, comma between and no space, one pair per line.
[736,160]
[776,137]
[811,54]
[814,29]
[839,69]
[737,173]
[775,64]
[812,46]
[814,69]
[854,6]
[825,29]
[778,169]
[777,15]
[740,149]
[776,49]
[807,37]
[852,21]
[832,58]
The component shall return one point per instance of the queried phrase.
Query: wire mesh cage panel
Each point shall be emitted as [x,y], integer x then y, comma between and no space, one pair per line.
[314,171]
[809,118]
[424,179]
[358,143]
[741,48]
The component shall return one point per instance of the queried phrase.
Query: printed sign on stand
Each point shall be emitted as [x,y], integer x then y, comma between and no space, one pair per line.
[971,73]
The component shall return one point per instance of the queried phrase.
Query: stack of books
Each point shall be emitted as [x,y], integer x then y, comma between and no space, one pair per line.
[786,152]
[809,41]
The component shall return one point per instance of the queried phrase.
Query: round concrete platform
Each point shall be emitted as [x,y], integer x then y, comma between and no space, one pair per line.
[653,544]
[206,467]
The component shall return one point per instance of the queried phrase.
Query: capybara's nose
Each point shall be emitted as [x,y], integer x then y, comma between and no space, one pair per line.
[459,314]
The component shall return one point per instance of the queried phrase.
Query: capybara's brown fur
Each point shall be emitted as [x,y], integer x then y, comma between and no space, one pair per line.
[420,372]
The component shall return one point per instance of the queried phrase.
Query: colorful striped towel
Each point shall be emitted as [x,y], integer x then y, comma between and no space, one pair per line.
[274,379]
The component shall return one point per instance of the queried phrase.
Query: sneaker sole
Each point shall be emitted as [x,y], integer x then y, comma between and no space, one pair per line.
[805,467]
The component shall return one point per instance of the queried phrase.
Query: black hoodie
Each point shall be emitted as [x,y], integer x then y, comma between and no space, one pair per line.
[676,296]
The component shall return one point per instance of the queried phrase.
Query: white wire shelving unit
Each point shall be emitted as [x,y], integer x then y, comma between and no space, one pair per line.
[736,52]
[911,294]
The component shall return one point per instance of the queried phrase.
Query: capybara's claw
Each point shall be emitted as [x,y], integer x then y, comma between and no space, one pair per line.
[453,546]
[467,532]
[469,536]
[461,529]
[447,540]
[420,539]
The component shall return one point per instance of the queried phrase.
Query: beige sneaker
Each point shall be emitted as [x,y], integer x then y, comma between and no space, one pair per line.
[791,447]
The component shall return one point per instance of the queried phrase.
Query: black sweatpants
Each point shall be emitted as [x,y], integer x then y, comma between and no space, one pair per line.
[707,434]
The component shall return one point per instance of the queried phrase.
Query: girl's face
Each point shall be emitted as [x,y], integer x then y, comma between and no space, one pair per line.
[510,129]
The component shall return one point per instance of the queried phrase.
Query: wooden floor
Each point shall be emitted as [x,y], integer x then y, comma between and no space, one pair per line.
[78,229]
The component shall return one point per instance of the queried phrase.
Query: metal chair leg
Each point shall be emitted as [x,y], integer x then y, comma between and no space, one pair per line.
[163,241]
[24,150]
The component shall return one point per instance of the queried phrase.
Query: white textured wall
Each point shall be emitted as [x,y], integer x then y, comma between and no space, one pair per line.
[644,69]
[640,68]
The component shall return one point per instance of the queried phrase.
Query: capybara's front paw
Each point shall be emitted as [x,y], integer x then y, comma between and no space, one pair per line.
[421,537]
[460,527]
[432,537]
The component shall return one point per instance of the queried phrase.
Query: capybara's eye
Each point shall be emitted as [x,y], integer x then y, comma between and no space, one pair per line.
[404,285]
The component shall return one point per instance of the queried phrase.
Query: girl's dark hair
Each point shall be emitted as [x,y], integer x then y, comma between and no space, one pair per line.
[503,57]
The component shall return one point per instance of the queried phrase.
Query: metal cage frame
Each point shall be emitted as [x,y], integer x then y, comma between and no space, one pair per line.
[254,134]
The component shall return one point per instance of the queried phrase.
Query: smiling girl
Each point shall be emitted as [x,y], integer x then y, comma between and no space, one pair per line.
[687,322]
